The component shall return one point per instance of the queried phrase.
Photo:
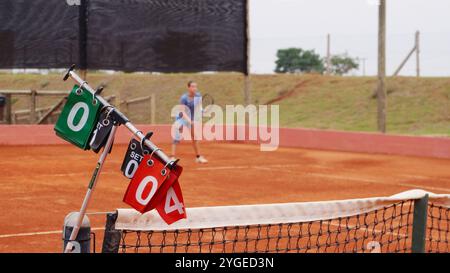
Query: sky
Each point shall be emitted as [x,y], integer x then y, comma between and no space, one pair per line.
[353,26]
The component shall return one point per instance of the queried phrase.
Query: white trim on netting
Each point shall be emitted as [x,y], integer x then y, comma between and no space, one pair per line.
[225,216]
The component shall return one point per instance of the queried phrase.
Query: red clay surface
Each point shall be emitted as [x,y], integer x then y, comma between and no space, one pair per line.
[41,184]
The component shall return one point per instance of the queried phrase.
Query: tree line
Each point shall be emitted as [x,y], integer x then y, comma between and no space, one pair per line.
[297,60]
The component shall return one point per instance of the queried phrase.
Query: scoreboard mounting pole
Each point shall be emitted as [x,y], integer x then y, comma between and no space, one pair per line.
[91,188]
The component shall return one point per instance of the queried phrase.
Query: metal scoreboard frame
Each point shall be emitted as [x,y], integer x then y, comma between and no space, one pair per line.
[118,119]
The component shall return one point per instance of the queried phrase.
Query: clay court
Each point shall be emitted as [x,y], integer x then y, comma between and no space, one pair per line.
[41,184]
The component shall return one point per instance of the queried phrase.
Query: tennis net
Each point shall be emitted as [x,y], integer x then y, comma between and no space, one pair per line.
[438,229]
[385,224]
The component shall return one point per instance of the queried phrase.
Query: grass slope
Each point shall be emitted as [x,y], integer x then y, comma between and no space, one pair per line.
[415,106]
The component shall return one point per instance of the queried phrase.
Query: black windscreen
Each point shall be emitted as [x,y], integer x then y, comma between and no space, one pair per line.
[128,35]
[38,34]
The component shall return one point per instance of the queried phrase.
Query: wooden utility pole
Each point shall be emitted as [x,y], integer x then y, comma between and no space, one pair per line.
[417,53]
[381,89]
[328,54]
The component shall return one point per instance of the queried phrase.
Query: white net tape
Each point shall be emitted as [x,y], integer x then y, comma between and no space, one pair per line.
[223,216]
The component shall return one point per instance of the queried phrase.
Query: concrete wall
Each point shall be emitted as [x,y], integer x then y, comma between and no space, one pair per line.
[438,147]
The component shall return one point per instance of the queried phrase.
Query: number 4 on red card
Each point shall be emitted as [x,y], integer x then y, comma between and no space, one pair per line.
[172,197]
[172,209]
[160,195]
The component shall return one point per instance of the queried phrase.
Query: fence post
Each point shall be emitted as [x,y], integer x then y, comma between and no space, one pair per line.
[33,107]
[118,101]
[125,108]
[51,110]
[417,53]
[419,224]
[153,108]
[8,106]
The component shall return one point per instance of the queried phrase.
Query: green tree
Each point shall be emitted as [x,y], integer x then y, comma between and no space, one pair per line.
[297,60]
[342,64]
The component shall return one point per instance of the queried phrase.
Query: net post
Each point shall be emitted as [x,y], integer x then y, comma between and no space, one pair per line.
[111,239]
[419,224]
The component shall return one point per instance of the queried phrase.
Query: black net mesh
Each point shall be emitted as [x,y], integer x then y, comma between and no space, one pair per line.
[385,230]
[167,35]
[438,229]
[128,35]
[38,34]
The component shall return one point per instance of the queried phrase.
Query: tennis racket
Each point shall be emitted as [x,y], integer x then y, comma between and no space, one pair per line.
[207,102]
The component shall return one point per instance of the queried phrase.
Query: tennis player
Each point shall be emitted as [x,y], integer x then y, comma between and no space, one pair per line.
[192,100]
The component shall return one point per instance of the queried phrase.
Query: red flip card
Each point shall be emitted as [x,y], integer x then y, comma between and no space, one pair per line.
[147,180]
[172,208]
[161,193]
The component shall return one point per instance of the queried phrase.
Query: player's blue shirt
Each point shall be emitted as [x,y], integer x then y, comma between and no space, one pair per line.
[191,103]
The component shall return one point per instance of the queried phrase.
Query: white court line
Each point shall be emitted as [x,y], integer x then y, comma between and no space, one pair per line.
[279,166]
[39,233]
[221,168]
[263,168]
[414,176]
[409,185]
[424,187]
[59,174]
[254,167]
[339,177]
[99,213]
[102,228]
[424,177]
[72,174]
